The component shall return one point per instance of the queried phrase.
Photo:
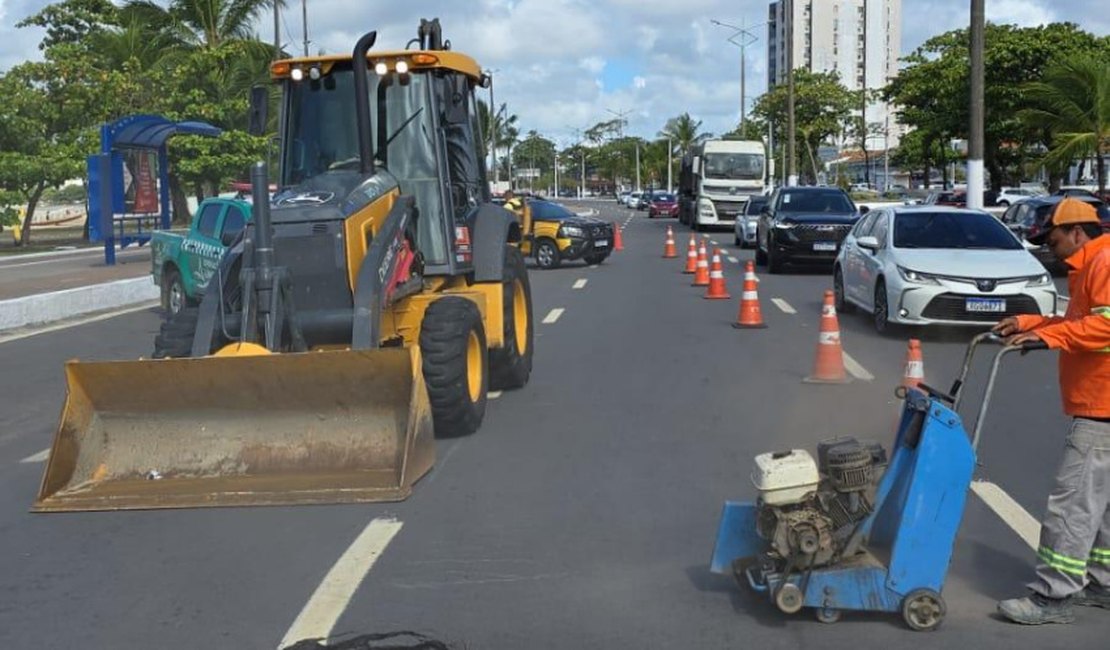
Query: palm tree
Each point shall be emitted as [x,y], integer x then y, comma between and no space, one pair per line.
[1072,101]
[504,133]
[200,23]
[684,133]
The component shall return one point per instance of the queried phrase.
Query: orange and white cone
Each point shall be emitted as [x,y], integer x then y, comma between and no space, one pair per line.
[701,275]
[716,290]
[915,365]
[618,241]
[691,256]
[750,316]
[828,367]
[668,247]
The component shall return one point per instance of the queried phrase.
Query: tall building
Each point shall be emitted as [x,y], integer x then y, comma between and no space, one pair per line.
[859,39]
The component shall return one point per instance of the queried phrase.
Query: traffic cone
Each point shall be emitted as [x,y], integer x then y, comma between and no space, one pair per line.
[915,365]
[828,368]
[618,242]
[701,275]
[691,256]
[716,290]
[668,247]
[750,316]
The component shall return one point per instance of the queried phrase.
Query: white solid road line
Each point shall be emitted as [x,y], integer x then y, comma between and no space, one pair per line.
[493,394]
[578,284]
[1010,511]
[553,315]
[784,306]
[37,458]
[855,369]
[74,323]
[330,599]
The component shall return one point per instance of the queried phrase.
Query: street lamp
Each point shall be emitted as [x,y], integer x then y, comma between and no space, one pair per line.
[975,131]
[741,38]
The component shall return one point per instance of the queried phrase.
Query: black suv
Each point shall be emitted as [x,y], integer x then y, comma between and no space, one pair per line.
[805,224]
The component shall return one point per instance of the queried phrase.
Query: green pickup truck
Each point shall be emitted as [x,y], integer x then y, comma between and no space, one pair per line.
[182,262]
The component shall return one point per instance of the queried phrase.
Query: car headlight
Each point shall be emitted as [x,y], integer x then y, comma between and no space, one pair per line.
[917,277]
[705,209]
[1041,280]
[572,231]
[784,225]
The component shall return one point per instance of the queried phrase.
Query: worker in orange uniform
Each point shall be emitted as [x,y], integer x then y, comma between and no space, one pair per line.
[1073,565]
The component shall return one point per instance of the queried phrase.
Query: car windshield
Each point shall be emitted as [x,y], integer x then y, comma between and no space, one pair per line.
[754,206]
[663,198]
[547,211]
[816,201]
[963,230]
[734,166]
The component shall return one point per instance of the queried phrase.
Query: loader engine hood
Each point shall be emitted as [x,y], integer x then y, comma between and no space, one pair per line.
[332,196]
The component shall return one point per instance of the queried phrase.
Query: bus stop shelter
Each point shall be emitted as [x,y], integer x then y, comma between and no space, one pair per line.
[129,187]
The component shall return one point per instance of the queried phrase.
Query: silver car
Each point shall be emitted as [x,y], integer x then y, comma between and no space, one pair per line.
[932,264]
[746,223]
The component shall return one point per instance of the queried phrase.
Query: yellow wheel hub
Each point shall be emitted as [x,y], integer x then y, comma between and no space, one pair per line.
[474,354]
[520,317]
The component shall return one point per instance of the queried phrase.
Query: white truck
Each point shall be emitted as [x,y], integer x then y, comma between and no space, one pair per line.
[723,174]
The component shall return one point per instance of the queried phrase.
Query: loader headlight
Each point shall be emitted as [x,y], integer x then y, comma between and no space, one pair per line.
[402,67]
[1041,280]
[916,277]
[314,73]
[381,69]
[297,74]
[572,231]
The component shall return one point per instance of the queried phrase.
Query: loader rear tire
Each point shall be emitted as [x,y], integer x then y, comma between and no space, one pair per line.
[455,364]
[511,365]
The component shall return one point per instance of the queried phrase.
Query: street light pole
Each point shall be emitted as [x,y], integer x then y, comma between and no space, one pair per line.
[277,30]
[670,165]
[304,24]
[742,38]
[975,131]
[792,170]
[620,135]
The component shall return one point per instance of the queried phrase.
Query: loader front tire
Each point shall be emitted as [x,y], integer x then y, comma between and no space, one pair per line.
[455,362]
[511,365]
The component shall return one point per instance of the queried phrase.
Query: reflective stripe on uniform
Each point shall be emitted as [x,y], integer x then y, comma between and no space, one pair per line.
[1062,563]
[1105,313]
[1100,556]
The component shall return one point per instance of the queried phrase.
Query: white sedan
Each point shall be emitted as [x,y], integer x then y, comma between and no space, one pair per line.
[931,264]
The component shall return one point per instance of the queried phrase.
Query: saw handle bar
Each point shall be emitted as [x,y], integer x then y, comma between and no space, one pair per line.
[955,395]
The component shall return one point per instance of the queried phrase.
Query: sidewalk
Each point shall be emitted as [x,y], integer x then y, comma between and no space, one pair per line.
[43,288]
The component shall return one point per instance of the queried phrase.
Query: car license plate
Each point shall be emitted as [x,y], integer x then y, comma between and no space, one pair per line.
[601,243]
[824,246]
[985,305]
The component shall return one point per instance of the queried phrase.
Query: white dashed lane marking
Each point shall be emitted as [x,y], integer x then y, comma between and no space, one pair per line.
[855,369]
[37,458]
[733,260]
[784,306]
[493,394]
[1010,511]
[553,315]
[580,283]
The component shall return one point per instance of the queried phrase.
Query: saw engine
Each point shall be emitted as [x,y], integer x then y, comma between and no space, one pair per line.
[808,510]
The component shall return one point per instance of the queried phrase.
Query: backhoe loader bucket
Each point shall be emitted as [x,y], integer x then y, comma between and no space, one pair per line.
[280,429]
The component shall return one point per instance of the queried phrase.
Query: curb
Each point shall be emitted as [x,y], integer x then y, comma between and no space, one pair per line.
[42,308]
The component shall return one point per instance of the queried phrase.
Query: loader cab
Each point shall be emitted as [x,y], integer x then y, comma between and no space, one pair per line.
[425,137]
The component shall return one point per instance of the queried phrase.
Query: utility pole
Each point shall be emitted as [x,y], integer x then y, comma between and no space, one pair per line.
[791,168]
[975,131]
[304,23]
[742,38]
[863,100]
[638,187]
[277,30]
[770,154]
[556,169]
[620,135]
[670,165]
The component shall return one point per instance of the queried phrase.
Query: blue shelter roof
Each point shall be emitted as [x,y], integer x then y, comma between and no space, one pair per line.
[149,131]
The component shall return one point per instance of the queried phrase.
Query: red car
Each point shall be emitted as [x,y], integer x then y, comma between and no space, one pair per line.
[663,205]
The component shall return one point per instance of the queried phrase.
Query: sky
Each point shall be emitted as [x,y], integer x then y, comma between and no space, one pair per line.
[564,65]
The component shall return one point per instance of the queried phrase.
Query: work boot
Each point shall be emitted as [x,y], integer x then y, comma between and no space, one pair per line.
[1036,609]
[1093,596]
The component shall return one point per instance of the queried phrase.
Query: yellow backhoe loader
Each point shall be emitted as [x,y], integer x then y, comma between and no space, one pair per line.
[376,297]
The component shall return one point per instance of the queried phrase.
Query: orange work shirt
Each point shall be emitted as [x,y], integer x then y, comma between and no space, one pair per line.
[1082,334]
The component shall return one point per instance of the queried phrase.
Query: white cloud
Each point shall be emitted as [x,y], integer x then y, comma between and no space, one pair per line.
[592,64]
[639,82]
[1025,13]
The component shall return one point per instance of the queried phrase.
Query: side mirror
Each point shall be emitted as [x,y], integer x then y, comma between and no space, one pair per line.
[868,242]
[259,110]
[863,209]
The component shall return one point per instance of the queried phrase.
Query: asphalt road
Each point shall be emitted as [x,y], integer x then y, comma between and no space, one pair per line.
[581,515]
[23,275]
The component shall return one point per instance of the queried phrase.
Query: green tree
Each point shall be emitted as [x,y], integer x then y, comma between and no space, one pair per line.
[537,153]
[932,90]
[684,132]
[822,108]
[1072,101]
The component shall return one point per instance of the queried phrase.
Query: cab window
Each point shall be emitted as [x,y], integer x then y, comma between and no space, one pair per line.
[206,221]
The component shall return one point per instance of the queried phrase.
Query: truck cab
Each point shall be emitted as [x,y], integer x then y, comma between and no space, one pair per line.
[728,172]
